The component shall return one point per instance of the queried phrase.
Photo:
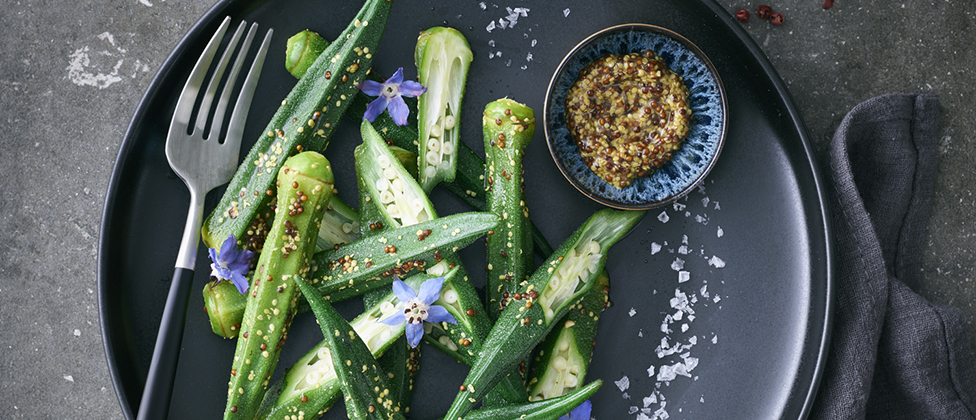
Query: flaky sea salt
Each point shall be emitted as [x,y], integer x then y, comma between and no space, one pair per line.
[632,312]
[566,13]
[720,232]
[677,264]
[650,373]
[684,276]
[655,248]
[716,262]
[623,383]
[663,217]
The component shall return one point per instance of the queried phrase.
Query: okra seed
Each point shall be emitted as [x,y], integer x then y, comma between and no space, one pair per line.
[470,312]
[233,409]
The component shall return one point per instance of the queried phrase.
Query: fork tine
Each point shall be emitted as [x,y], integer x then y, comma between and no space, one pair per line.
[184,106]
[205,104]
[236,128]
[220,110]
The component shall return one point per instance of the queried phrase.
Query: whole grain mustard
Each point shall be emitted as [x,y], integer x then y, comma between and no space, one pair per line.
[629,114]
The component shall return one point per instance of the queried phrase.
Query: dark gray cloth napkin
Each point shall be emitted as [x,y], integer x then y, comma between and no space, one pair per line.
[893,355]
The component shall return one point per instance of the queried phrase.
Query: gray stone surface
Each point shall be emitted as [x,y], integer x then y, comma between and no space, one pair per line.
[72,73]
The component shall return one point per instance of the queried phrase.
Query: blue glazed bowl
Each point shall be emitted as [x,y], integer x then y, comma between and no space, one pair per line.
[689,165]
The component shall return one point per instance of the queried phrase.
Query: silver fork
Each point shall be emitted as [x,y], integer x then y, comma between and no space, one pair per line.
[203,163]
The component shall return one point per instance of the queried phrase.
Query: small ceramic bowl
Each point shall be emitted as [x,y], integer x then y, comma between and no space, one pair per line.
[689,165]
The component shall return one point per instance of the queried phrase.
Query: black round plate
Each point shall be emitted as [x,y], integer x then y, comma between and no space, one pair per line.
[755,234]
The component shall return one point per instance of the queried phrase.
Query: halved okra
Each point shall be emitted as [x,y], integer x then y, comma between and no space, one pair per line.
[304,187]
[545,297]
[340,225]
[507,128]
[389,183]
[442,57]
[310,386]
[551,409]
[363,382]
[305,121]
[563,358]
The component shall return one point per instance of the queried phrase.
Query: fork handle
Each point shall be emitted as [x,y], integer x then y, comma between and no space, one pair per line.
[166,354]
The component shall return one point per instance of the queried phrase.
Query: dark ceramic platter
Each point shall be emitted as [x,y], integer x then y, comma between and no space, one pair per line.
[756,235]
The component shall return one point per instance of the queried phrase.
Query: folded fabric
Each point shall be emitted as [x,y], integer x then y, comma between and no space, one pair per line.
[893,355]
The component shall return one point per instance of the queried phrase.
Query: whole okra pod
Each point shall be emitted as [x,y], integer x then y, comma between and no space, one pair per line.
[562,280]
[508,127]
[304,187]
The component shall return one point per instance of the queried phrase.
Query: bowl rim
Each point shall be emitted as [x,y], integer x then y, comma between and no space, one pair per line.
[660,30]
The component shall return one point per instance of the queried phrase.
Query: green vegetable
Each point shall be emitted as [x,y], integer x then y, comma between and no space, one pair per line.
[305,187]
[563,359]
[305,120]
[507,127]
[340,224]
[363,382]
[371,262]
[388,183]
[301,51]
[442,57]
[311,386]
[563,279]
[551,409]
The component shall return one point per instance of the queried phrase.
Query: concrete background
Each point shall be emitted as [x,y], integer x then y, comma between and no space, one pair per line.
[72,73]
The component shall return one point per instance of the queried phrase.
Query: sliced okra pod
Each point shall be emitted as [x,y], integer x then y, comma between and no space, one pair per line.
[562,280]
[551,409]
[311,386]
[305,121]
[507,127]
[301,50]
[224,305]
[561,364]
[363,382]
[304,187]
[442,57]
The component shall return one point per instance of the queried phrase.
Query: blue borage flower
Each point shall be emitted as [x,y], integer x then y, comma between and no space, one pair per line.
[390,97]
[581,412]
[231,263]
[415,308]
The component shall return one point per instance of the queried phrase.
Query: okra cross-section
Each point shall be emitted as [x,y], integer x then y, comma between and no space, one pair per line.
[442,57]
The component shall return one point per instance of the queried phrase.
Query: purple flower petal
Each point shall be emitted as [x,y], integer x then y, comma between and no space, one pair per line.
[375,108]
[431,290]
[437,314]
[371,87]
[398,110]
[414,333]
[213,255]
[411,89]
[581,412]
[397,77]
[228,249]
[403,291]
[393,320]
[240,281]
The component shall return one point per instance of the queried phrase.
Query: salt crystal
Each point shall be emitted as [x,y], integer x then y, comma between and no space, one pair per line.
[691,318]
[491,55]
[678,206]
[483,5]
[704,291]
[683,276]
[523,11]
[717,207]
[633,409]
[717,299]
[650,373]
[498,54]
[663,217]
[534,42]
[694,339]
[502,23]
[68,378]
[566,13]
[528,57]
[678,264]
[716,262]
[683,250]
[678,316]
[684,327]
[720,232]
[705,202]
[623,383]
[655,248]
[491,42]
[640,416]
[508,63]
[491,26]
[701,219]
[625,396]
[632,312]
[714,339]
[524,67]
[77,333]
